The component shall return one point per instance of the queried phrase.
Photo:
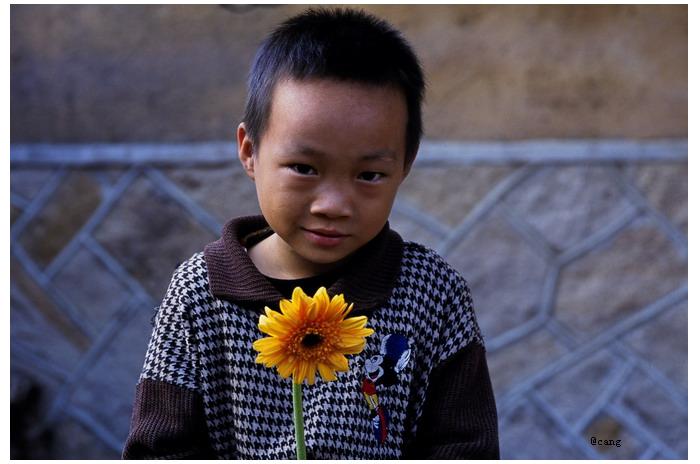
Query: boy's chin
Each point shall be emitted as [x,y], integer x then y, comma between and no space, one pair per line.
[328,258]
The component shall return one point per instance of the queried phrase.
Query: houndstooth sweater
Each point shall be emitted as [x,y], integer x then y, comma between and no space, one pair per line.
[420,389]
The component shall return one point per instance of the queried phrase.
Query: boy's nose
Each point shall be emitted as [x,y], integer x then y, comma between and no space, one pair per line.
[333,203]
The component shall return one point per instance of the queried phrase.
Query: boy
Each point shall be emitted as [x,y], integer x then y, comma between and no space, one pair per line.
[331,128]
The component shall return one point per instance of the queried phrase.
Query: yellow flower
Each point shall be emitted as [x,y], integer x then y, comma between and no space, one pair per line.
[309,335]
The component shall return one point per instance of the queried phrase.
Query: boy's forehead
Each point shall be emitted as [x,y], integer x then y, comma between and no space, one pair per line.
[317,101]
[320,115]
[300,147]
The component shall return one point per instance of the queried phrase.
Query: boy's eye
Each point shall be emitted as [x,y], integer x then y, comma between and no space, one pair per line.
[370,176]
[303,169]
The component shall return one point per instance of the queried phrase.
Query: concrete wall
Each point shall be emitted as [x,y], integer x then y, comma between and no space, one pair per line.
[159,72]
[576,253]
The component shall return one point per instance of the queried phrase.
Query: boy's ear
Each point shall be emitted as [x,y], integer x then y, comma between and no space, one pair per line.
[246,151]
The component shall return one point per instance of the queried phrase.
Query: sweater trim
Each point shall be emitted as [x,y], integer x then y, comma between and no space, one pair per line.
[368,282]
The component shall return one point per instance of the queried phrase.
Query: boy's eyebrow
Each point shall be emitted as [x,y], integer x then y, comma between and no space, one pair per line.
[379,154]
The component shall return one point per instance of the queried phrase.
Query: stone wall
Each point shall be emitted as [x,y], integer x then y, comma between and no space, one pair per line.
[576,251]
[578,272]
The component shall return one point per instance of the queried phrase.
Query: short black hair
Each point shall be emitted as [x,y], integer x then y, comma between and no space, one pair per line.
[344,44]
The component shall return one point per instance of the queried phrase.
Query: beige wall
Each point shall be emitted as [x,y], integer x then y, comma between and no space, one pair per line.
[177,73]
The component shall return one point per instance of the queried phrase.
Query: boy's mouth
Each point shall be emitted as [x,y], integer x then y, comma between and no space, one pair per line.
[327,232]
[325,237]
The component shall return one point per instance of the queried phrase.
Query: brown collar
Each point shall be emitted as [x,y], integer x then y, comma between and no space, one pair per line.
[370,277]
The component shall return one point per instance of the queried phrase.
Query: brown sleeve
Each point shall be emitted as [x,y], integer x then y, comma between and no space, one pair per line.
[459,417]
[167,423]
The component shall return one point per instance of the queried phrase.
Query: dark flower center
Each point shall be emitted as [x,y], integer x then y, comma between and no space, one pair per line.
[311,340]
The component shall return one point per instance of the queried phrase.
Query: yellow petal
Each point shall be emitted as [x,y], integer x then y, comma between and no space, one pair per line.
[323,309]
[354,349]
[300,371]
[270,360]
[272,327]
[267,344]
[300,299]
[313,311]
[336,308]
[354,322]
[271,349]
[285,367]
[280,318]
[348,310]
[355,329]
[298,295]
[321,297]
[338,300]
[290,309]
[354,334]
[327,373]
[311,375]
[338,362]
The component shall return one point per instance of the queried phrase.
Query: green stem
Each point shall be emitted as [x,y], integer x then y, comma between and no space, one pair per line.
[298,421]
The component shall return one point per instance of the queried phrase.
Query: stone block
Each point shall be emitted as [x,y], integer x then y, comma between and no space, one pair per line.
[72,440]
[666,188]
[568,204]
[573,391]
[150,234]
[225,192]
[504,273]
[521,360]
[652,407]
[29,399]
[638,266]
[608,429]
[109,175]
[529,434]
[15,213]
[450,193]
[34,337]
[28,182]
[412,231]
[97,301]
[43,326]
[107,391]
[68,209]
[664,343]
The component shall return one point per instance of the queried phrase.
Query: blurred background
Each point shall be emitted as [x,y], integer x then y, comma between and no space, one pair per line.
[553,176]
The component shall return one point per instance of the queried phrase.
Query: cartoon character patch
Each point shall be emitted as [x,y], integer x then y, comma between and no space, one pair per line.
[382,370]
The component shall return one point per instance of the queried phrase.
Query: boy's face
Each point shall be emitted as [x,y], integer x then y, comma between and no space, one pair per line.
[326,170]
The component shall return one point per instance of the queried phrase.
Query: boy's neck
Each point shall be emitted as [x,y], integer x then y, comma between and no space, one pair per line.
[273,258]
